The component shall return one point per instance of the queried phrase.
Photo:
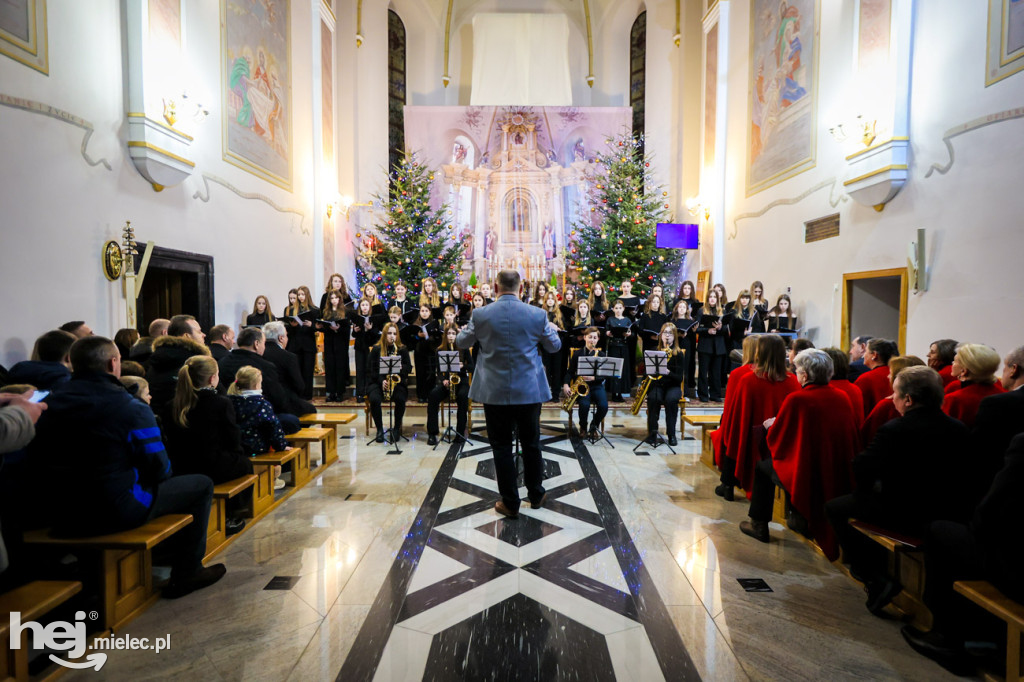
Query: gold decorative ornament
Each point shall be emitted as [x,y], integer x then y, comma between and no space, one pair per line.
[113,260]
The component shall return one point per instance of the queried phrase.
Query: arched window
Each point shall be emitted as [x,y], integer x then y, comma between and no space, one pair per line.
[638,71]
[396,89]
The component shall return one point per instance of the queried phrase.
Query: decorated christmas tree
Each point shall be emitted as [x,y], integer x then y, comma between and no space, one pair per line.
[615,239]
[411,241]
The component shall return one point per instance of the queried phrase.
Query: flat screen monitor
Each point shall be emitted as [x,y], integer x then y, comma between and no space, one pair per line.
[676,236]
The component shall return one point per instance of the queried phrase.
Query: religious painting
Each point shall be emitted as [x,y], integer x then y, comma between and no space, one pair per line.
[327,92]
[710,93]
[873,30]
[783,83]
[1005,46]
[256,81]
[23,33]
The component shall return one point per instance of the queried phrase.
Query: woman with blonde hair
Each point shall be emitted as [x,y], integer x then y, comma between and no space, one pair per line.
[337,331]
[666,391]
[975,366]
[598,298]
[335,283]
[554,365]
[390,345]
[302,337]
[260,429]
[261,312]
[429,293]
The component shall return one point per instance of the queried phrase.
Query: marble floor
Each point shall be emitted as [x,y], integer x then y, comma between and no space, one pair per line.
[396,567]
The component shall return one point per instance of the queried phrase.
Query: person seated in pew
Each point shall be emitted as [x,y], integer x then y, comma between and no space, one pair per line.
[812,442]
[989,548]
[124,339]
[287,364]
[885,411]
[287,406]
[17,429]
[1000,417]
[858,349]
[940,358]
[184,339]
[50,365]
[874,384]
[259,428]
[221,340]
[100,452]
[130,368]
[758,396]
[840,380]
[202,434]
[906,477]
[796,346]
[142,351]
[137,387]
[975,366]
[79,328]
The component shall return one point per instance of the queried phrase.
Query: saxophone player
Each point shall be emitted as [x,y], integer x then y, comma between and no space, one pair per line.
[667,390]
[443,388]
[378,384]
[591,336]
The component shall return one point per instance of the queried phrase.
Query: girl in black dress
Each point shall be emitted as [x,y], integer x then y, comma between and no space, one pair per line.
[598,299]
[429,293]
[553,362]
[710,351]
[302,337]
[619,348]
[665,392]
[365,335]
[336,283]
[390,345]
[261,313]
[425,353]
[442,389]
[682,318]
[337,332]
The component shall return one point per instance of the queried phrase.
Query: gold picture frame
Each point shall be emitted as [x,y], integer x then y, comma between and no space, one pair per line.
[23,33]
[1004,45]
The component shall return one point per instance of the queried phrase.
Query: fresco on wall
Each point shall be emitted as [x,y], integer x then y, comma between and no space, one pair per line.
[514,177]
[1005,45]
[257,87]
[783,58]
[23,33]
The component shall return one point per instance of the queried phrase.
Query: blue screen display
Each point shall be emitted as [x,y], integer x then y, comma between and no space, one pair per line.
[677,236]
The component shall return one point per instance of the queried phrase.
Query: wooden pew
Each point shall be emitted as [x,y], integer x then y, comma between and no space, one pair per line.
[32,601]
[330,420]
[124,572]
[986,596]
[312,435]
[297,458]
[216,533]
[707,424]
[906,564]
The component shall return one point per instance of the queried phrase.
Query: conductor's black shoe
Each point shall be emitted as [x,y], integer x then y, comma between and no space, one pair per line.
[938,648]
[379,438]
[755,529]
[233,526]
[500,507]
[672,439]
[204,577]
[880,594]
[725,491]
[432,439]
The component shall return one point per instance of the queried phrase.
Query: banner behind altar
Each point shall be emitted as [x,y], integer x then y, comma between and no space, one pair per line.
[515,178]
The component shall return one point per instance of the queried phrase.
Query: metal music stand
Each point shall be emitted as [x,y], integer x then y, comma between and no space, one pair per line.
[388,365]
[655,363]
[450,364]
[599,368]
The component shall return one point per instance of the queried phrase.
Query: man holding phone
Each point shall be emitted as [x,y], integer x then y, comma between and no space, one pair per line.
[18,415]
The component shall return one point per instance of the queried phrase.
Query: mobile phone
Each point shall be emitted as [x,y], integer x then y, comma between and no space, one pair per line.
[38,395]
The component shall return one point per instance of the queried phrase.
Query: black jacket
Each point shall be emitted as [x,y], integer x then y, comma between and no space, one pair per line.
[43,375]
[211,444]
[169,354]
[996,523]
[913,470]
[1000,417]
[281,399]
[142,351]
[218,351]
[287,366]
[101,456]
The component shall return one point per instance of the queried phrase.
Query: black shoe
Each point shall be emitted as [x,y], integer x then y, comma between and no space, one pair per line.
[672,439]
[725,491]
[500,507]
[204,577]
[233,526]
[880,594]
[539,503]
[755,529]
[940,649]
[432,439]
[379,438]
[652,439]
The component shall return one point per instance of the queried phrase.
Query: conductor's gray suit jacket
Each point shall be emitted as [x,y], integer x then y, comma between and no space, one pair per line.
[509,368]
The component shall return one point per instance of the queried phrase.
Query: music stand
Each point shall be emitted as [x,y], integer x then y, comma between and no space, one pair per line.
[391,364]
[656,364]
[599,368]
[450,364]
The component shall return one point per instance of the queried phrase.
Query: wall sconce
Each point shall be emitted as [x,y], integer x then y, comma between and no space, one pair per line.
[198,113]
[345,204]
[865,129]
[695,207]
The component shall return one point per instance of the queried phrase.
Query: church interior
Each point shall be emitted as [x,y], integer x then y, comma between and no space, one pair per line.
[851,155]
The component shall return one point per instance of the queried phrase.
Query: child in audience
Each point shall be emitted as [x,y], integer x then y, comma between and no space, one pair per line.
[259,427]
[137,386]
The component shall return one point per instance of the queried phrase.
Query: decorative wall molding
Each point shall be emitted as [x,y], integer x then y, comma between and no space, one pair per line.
[207,178]
[980,122]
[59,114]
[831,182]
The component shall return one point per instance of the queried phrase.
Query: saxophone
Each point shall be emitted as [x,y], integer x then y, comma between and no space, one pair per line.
[576,389]
[641,393]
[453,381]
[392,379]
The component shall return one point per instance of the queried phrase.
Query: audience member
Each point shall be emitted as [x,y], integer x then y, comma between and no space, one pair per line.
[796,346]
[874,384]
[905,479]
[184,339]
[221,340]
[975,366]
[137,387]
[50,365]
[130,368]
[841,380]
[287,364]
[17,421]
[1000,417]
[79,328]
[124,339]
[812,442]
[106,468]
[287,406]
[940,358]
[885,411]
[143,348]
[858,349]
[260,428]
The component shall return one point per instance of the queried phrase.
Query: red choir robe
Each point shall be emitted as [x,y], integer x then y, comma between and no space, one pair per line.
[853,393]
[946,374]
[963,404]
[719,436]
[874,385]
[757,400]
[813,442]
[884,412]
[953,386]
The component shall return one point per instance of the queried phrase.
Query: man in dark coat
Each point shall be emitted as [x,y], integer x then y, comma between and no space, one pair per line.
[142,351]
[184,339]
[287,364]
[1000,417]
[858,349]
[221,340]
[51,364]
[251,346]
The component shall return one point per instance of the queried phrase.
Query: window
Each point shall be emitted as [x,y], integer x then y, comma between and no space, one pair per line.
[637,72]
[396,89]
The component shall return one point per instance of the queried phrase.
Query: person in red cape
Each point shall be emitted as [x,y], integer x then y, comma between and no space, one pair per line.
[758,396]
[885,411]
[840,380]
[718,437]
[874,384]
[975,365]
[940,358]
[812,443]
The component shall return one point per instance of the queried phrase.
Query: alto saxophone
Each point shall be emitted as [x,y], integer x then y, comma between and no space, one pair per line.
[453,381]
[576,389]
[641,393]
[392,380]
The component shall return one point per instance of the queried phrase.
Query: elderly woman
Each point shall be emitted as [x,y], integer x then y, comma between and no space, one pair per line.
[975,366]
[812,442]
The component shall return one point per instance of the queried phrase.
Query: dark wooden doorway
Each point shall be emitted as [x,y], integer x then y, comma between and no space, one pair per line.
[177,282]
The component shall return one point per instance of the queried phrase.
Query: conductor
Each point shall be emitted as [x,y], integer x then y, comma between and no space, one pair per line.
[511,384]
